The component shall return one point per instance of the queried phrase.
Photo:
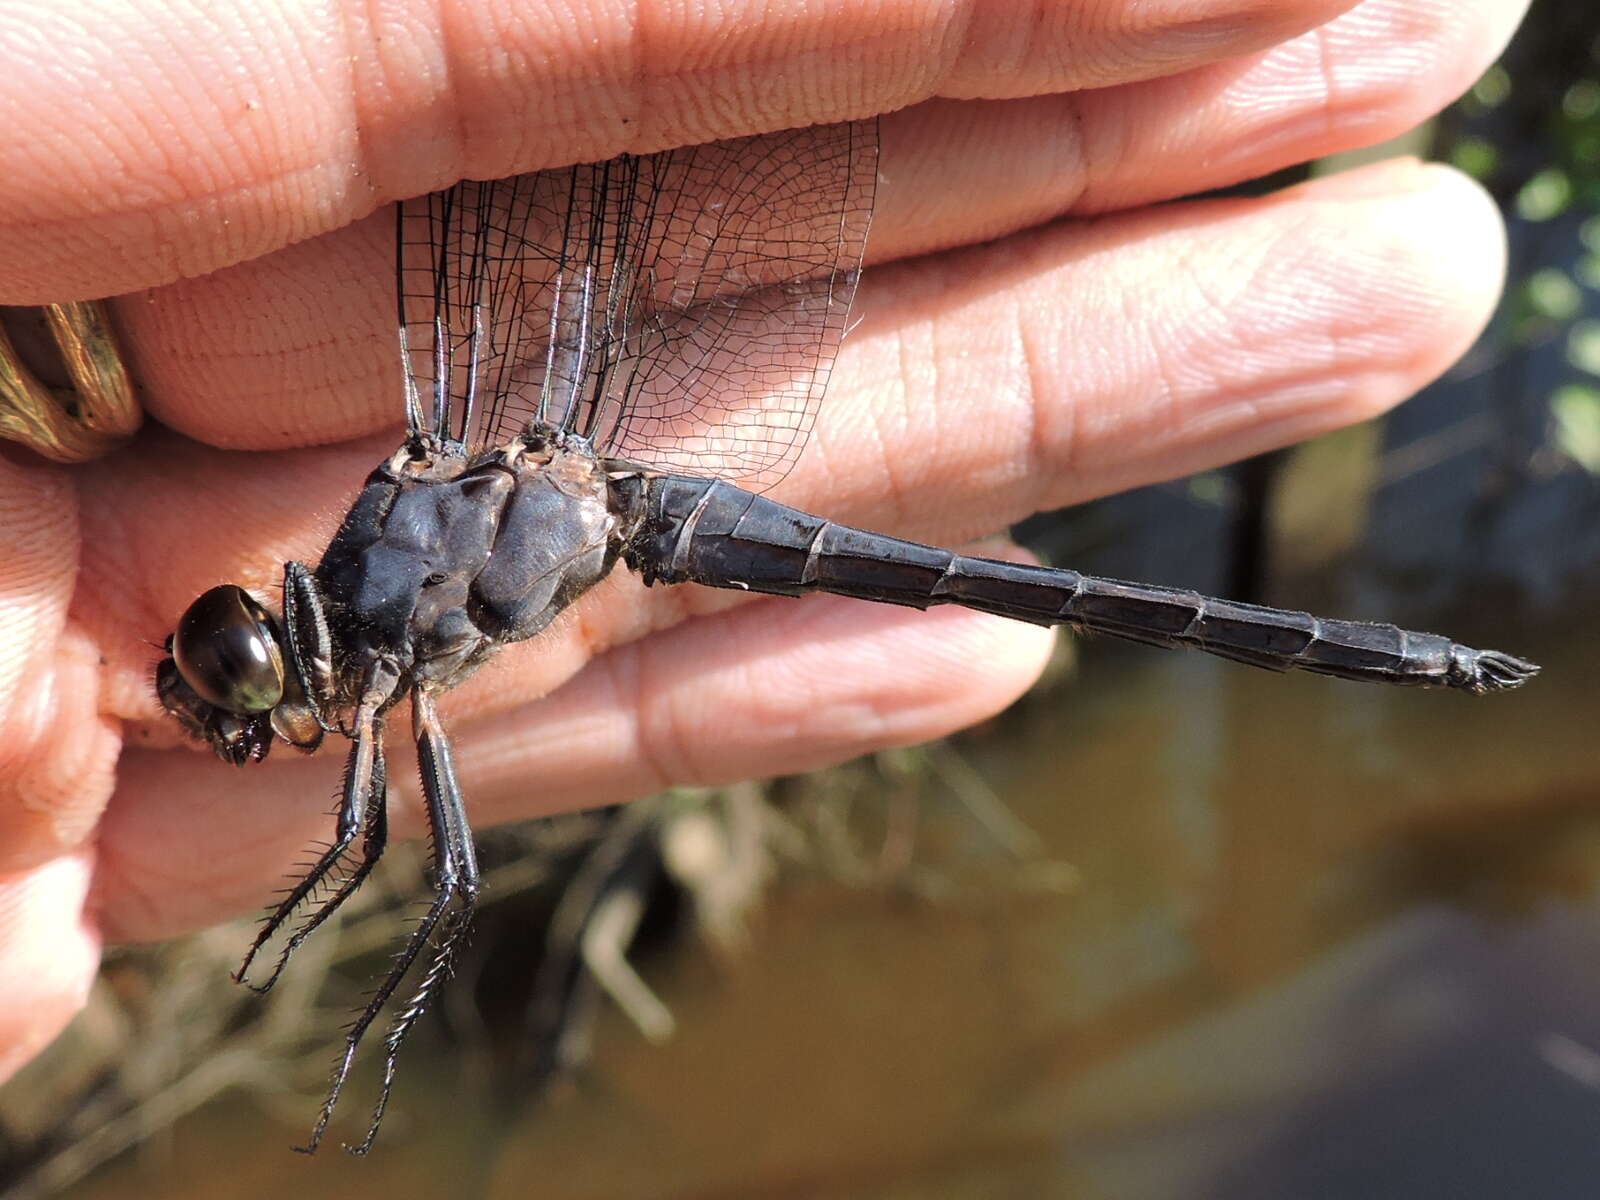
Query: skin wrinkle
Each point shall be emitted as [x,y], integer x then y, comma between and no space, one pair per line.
[37,569]
[811,719]
[1037,33]
[192,156]
[360,164]
[1328,72]
[1423,21]
[646,98]
[190,202]
[100,128]
[1235,309]
[755,674]
[664,731]
[668,726]
[1033,467]
[76,749]
[32,627]
[56,144]
[1383,84]
[618,669]
[320,296]
[895,508]
[181,155]
[449,87]
[1334,349]
[1159,400]
[41,735]
[366,100]
[957,38]
[1078,148]
[621,611]
[945,398]
[151,227]
[913,390]
[1382,101]
[139,892]
[1185,419]
[48,950]
[1080,432]
[1209,31]
[495,750]
[1369,340]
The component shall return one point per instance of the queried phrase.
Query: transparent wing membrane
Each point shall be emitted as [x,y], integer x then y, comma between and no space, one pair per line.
[680,309]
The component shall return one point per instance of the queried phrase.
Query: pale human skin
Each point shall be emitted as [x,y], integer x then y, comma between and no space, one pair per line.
[147,147]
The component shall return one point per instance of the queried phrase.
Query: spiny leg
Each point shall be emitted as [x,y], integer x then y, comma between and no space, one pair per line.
[456,876]
[456,867]
[364,787]
[376,823]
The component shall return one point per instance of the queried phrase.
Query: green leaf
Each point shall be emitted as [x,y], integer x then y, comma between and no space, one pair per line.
[1493,87]
[1582,100]
[1576,409]
[1476,156]
[1551,293]
[1207,488]
[1548,194]
[1589,234]
[1583,346]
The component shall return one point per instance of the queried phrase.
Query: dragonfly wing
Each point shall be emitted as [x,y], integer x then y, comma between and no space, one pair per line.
[681,309]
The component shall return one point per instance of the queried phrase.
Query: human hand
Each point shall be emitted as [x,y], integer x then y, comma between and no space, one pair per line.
[1066,359]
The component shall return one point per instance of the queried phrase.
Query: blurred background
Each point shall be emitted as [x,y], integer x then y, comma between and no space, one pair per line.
[1168,928]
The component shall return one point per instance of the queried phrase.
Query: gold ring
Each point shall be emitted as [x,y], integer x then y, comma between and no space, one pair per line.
[94,408]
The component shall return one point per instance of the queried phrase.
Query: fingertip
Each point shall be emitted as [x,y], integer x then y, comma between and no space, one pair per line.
[49,951]
[1427,251]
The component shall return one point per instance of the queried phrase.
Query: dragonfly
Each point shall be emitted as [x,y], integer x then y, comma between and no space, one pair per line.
[609,364]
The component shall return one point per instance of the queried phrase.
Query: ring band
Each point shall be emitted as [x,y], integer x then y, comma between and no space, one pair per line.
[92,416]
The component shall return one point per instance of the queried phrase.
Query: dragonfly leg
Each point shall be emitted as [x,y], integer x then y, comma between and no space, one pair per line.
[305,622]
[362,805]
[375,821]
[455,883]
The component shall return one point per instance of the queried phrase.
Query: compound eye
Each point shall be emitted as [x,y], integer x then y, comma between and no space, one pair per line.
[227,650]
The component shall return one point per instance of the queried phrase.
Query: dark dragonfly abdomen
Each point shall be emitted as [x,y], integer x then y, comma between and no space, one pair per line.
[707,531]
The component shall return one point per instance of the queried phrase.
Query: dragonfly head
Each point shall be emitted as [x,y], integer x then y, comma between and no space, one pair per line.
[226,680]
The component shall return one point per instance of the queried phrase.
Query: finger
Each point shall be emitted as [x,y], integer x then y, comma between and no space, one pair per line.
[298,348]
[146,143]
[1070,362]
[49,951]
[981,386]
[961,173]
[771,688]
[57,752]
